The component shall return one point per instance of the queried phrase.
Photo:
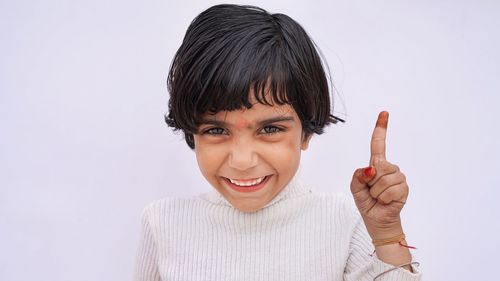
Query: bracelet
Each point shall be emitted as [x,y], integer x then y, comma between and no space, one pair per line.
[387,241]
[393,240]
[396,267]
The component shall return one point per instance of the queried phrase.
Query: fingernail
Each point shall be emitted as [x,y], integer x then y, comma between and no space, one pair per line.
[368,171]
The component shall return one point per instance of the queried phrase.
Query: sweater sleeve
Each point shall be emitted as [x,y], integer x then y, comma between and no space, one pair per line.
[146,267]
[363,264]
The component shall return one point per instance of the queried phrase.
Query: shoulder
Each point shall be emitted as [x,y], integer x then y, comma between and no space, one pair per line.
[339,200]
[339,204]
[168,206]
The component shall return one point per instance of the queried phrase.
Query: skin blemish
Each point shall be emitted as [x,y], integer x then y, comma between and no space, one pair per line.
[241,123]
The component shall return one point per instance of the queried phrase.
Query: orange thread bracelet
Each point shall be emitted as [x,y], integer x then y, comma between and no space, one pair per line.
[393,240]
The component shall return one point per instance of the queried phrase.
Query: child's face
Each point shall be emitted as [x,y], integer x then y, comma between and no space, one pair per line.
[258,149]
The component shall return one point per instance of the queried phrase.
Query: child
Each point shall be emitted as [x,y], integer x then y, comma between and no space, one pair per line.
[248,91]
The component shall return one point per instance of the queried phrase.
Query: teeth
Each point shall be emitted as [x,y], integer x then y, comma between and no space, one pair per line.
[247,182]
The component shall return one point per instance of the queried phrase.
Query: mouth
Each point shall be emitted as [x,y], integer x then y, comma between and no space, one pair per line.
[247,185]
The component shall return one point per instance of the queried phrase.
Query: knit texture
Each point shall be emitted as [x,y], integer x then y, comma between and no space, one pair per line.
[299,235]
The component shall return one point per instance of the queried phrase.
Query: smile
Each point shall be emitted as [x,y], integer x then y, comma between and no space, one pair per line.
[247,185]
[249,182]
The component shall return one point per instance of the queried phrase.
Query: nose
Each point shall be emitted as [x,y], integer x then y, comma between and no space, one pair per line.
[243,156]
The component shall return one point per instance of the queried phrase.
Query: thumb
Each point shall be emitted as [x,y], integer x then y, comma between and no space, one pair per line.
[360,179]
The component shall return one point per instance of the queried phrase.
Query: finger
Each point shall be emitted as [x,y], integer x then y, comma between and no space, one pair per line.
[377,146]
[386,182]
[396,193]
[383,168]
[360,189]
[360,179]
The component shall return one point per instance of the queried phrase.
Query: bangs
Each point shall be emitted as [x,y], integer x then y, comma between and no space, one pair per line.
[260,75]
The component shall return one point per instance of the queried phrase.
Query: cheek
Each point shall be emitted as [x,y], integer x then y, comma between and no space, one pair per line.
[208,158]
[285,153]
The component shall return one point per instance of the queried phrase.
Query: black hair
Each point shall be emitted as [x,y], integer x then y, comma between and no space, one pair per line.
[227,50]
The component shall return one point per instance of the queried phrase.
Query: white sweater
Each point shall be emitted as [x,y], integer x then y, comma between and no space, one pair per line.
[299,235]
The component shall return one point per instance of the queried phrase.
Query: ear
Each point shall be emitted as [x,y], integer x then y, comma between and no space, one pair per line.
[305,141]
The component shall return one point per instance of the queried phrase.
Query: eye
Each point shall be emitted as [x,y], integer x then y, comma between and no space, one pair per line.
[215,131]
[270,130]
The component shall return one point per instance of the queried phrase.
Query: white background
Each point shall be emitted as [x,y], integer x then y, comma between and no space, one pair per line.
[83,145]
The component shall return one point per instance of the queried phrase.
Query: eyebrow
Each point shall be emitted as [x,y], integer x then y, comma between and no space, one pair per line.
[260,123]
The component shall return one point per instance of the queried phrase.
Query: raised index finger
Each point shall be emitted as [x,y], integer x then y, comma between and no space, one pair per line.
[377,146]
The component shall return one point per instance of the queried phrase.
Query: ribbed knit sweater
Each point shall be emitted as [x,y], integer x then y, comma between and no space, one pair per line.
[300,235]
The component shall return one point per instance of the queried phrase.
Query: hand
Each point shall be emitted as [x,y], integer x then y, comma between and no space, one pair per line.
[380,190]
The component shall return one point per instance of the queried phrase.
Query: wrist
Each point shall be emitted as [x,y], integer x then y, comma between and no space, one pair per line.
[394,254]
[386,231]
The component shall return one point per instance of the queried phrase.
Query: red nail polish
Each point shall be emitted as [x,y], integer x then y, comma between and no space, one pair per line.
[368,171]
